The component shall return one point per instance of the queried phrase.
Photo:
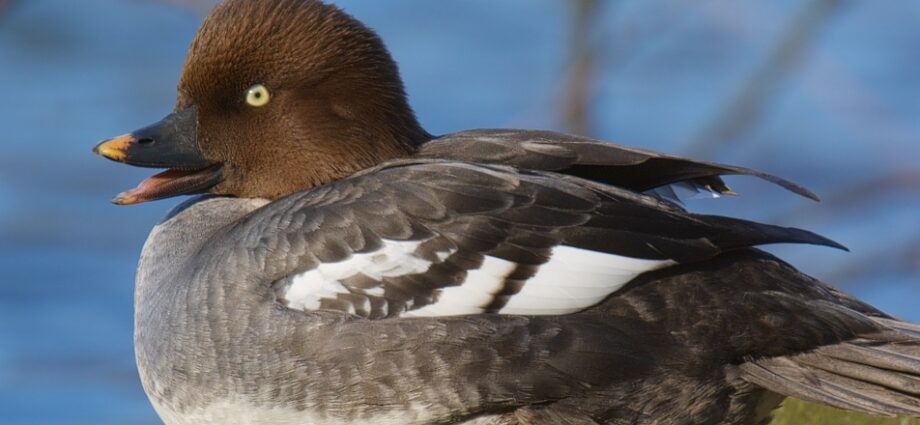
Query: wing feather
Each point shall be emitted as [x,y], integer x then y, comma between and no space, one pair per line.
[437,237]
[609,163]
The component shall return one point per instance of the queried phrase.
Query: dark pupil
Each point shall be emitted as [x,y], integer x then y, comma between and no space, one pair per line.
[258,94]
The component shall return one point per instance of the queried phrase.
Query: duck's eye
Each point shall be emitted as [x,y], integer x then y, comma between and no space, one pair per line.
[258,95]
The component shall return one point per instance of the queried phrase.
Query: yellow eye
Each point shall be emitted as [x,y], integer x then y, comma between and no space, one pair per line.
[258,95]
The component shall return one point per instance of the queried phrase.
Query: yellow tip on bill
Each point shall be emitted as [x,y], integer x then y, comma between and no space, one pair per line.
[115,148]
[124,199]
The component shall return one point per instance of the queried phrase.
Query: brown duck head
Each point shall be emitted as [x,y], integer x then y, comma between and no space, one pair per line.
[276,96]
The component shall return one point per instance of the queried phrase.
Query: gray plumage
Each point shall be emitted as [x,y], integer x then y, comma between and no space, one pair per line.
[715,339]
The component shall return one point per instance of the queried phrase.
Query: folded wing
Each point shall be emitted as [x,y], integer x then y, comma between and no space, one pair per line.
[631,168]
[439,237]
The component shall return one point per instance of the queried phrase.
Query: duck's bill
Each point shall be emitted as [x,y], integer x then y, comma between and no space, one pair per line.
[171,144]
[169,183]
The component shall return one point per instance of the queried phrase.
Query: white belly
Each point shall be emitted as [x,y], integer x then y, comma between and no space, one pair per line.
[244,413]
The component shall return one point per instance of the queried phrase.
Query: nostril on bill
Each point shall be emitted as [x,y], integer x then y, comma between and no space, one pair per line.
[145,141]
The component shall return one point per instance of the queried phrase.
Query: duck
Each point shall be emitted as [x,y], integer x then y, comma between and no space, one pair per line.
[338,264]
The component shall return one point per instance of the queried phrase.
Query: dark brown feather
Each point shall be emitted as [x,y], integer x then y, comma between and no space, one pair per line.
[623,166]
[489,210]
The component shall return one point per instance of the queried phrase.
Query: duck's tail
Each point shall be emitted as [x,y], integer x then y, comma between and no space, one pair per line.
[877,374]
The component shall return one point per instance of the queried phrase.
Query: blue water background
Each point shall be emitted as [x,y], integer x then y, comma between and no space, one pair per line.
[73,72]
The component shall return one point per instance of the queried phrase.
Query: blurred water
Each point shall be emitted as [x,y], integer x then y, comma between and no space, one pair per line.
[75,72]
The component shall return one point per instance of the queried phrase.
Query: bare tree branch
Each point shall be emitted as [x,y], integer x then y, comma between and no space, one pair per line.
[901,259]
[898,258]
[859,194]
[583,56]
[748,106]
[5,6]
[200,6]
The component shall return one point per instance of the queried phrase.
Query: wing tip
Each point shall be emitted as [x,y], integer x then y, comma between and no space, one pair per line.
[823,241]
[809,237]
[779,181]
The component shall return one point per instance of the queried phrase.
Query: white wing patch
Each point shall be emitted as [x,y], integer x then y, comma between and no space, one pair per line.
[575,279]
[572,280]
[474,295]
[395,258]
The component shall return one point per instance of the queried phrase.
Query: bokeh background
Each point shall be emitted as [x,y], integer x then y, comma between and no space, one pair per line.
[824,92]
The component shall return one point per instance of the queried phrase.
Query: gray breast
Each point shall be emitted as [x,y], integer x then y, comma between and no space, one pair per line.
[174,347]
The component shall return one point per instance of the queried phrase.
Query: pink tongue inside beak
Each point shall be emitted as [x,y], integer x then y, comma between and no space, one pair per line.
[168,183]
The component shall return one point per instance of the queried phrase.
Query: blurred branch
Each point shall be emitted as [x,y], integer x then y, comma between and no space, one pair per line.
[583,56]
[894,259]
[5,6]
[904,258]
[860,194]
[748,106]
[857,195]
[200,6]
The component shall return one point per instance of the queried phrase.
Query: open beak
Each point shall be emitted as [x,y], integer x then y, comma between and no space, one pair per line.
[171,144]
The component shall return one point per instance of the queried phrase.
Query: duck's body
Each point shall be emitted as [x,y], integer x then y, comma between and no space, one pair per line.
[356,270]
[655,353]
[216,343]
